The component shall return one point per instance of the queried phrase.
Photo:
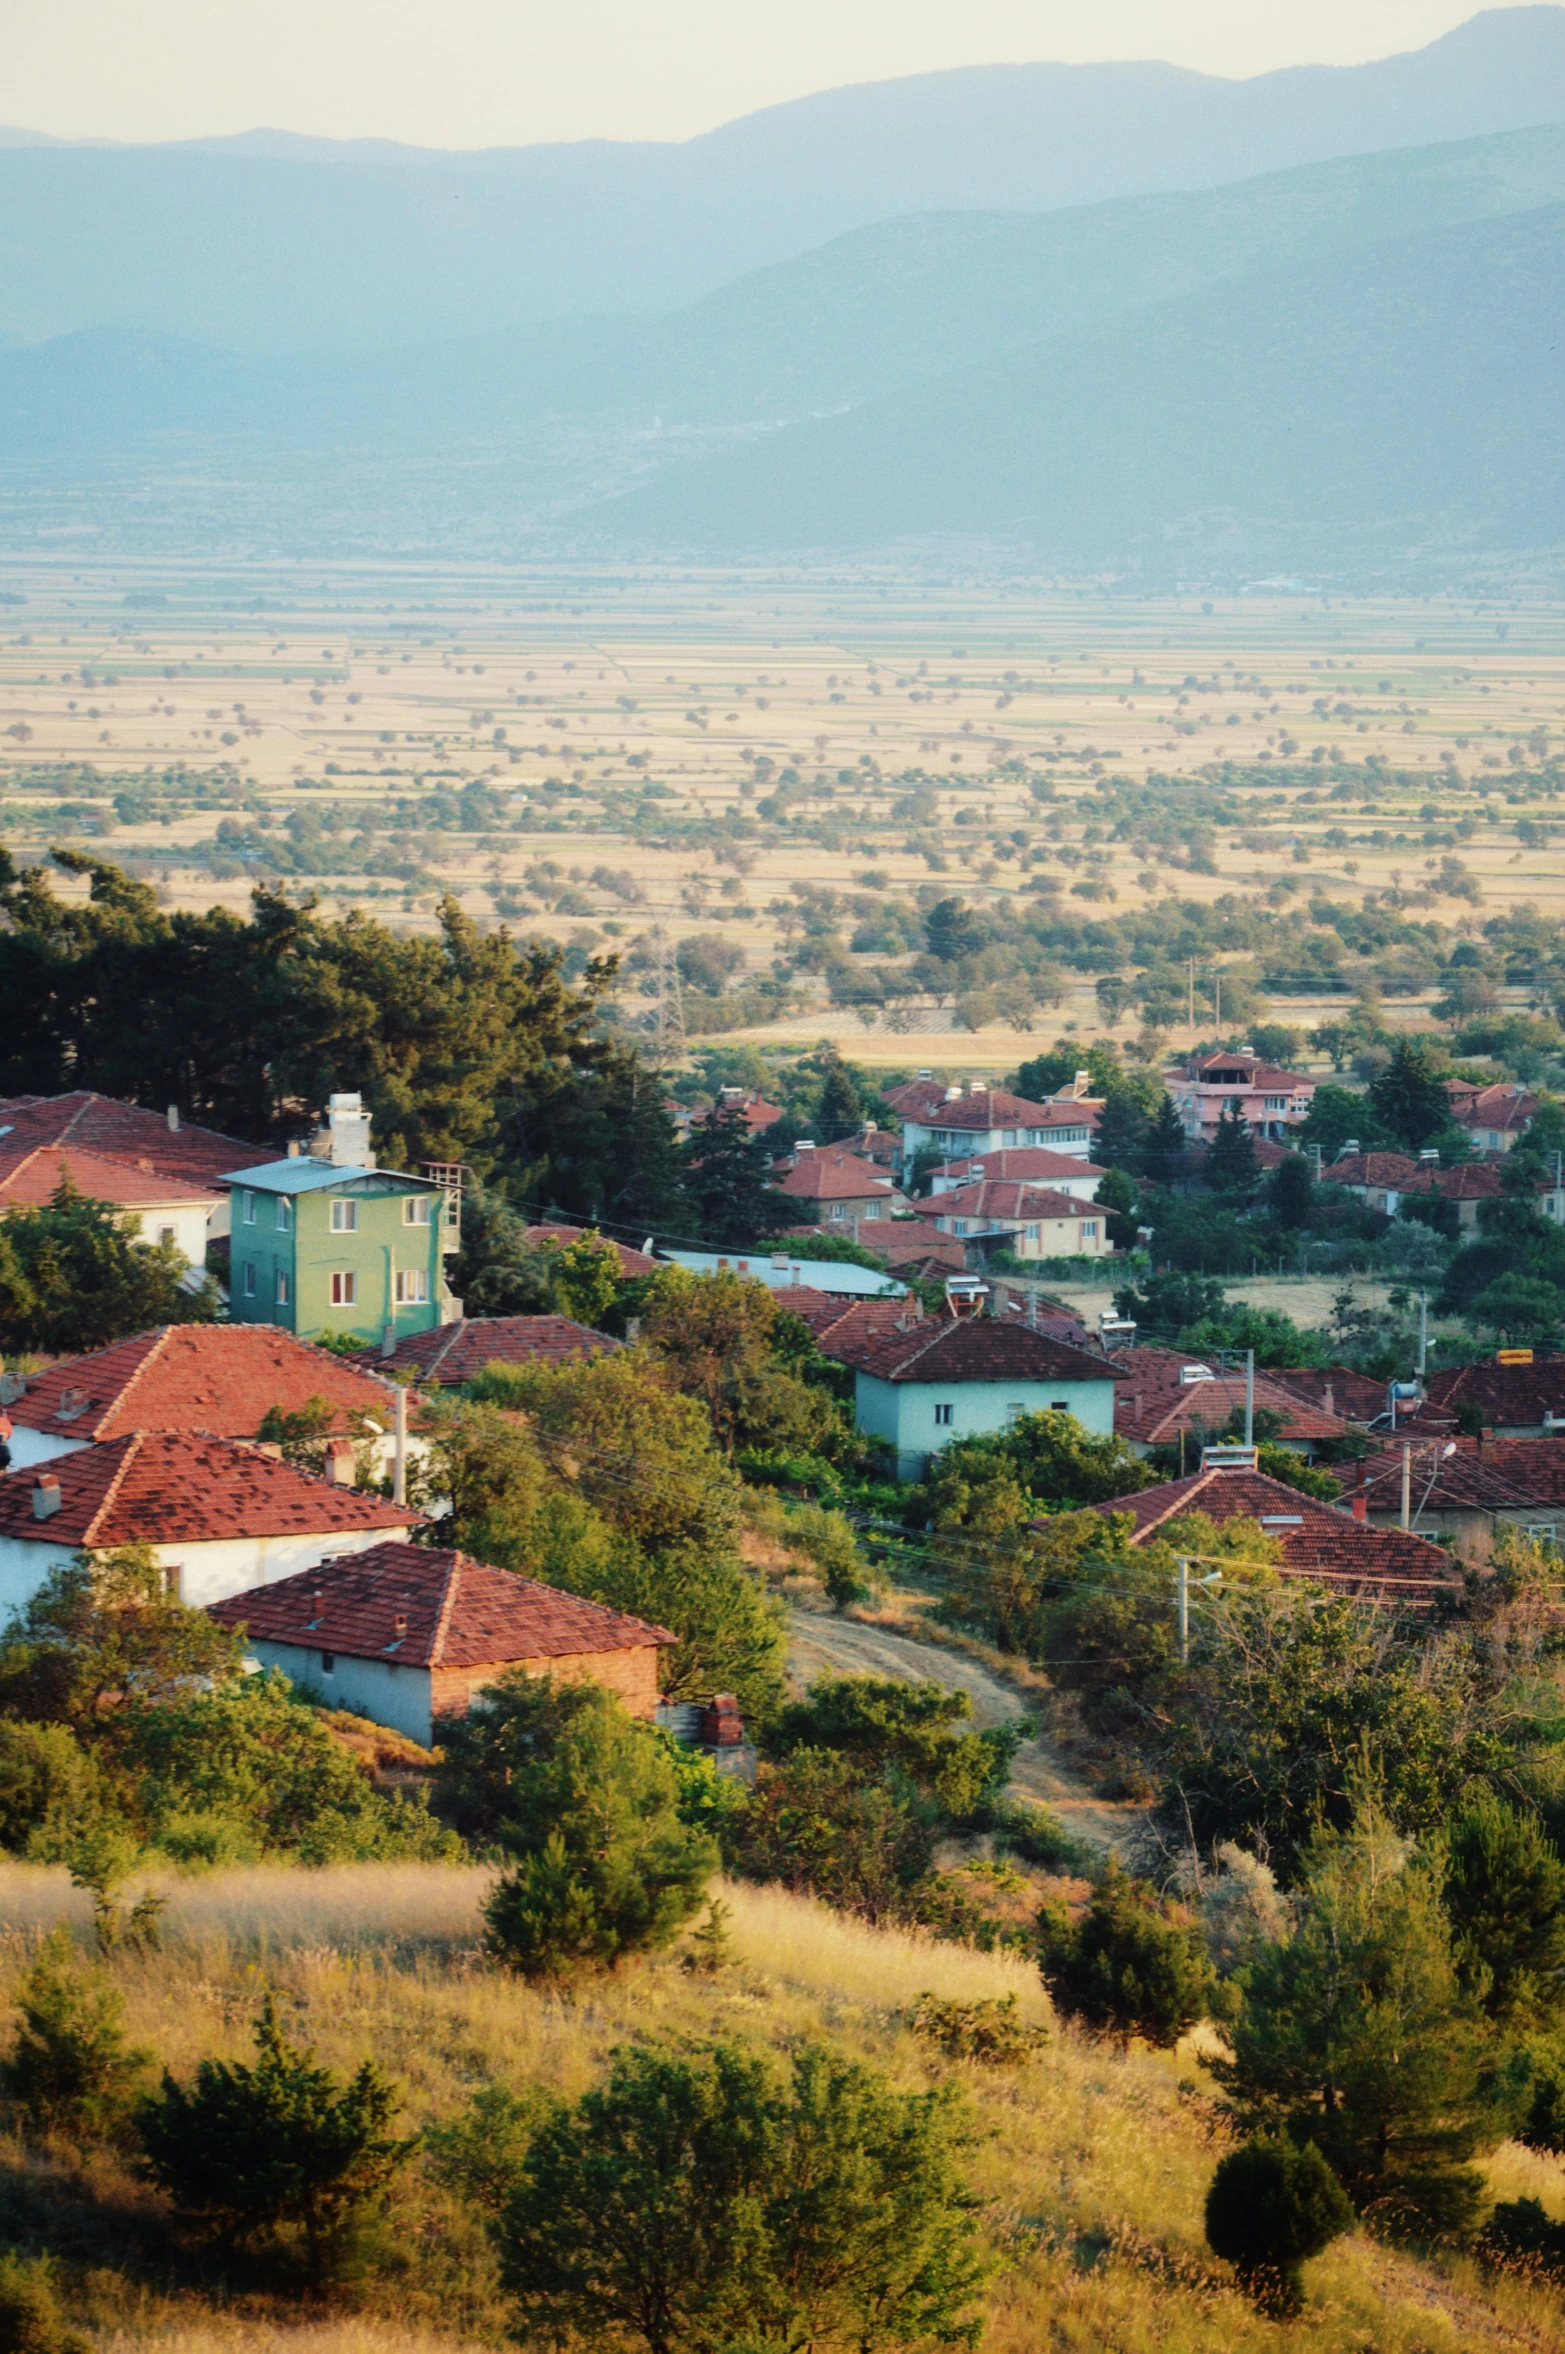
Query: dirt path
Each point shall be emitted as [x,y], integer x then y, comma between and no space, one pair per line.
[821,1646]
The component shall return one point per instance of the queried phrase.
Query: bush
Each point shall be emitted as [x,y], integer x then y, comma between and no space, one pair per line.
[1272,2205]
[1522,2233]
[586,1804]
[69,2071]
[1130,1966]
[249,2153]
[827,2209]
[30,2317]
[987,2031]
[819,1824]
[916,1731]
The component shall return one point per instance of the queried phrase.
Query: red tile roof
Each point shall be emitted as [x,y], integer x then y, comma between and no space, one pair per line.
[1030,1163]
[30,1177]
[1439,1482]
[1535,1466]
[1518,1394]
[1394,1170]
[1317,1541]
[900,1239]
[631,1262]
[999,1197]
[123,1132]
[859,1325]
[456,1612]
[925,1101]
[1335,1389]
[183,1488]
[1471,1181]
[1504,1106]
[1153,1406]
[210,1377]
[454,1353]
[830,1174]
[1265,1076]
[967,1348]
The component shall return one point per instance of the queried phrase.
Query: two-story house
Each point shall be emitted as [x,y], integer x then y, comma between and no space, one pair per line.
[1030,1220]
[1027,1164]
[1272,1102]
[1495,1117]
[330,1245]
[969,1122]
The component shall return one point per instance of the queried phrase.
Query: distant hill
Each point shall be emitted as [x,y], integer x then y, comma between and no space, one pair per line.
[874,311]
[273,244]
[1394,403]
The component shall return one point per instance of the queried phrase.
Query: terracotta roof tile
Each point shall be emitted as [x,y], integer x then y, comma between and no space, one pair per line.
[1317,1540]
[999,1197]
[458,1612]
[210,1377]
[1535,1466]
[182,1488]
[1153,1405]
[1520,1394]
[30,1177]
[124,1132]
[1031,1164]
[833,1175]
[925,1101]
[454,1353]
[1393,1169]
[967,1348]
[631,1262]
[1335,1389]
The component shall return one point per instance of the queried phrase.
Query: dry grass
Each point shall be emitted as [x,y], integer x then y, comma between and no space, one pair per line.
[1091,2164]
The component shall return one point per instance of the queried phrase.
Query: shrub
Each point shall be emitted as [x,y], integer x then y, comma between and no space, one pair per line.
[1129,1966]
[825,2210]
[585,1803]
[819,1823]
[1272,2205]
[249,2153]
[70,2070]
[1521,2232]
[30,2317]
[917,1731]
[988,2031]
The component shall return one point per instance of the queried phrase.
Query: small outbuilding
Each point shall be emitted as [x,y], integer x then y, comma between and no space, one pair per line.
[407,1635]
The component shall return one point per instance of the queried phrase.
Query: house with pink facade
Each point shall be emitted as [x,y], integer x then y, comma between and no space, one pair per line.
[1273,1102]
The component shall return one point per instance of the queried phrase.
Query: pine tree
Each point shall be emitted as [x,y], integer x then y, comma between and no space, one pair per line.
[1230,1165]
[1408,1098]
[839,1113]
[1128,1966]
[1164,1152]
[1120,1139]
[1272,2205]
[732,1203]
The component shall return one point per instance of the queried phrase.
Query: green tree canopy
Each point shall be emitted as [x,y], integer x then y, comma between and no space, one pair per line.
[1407,1097]
[75,1275]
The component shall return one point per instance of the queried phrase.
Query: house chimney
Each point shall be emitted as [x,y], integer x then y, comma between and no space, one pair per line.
[317,1603]
[1360,1504]
[339,1462]
[173,1119]
[46,1496]
[401,1626]
[1328,1400]
[348,1132]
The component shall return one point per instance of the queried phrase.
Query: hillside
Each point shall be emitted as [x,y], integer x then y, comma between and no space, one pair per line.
[273,245]
[1396,401]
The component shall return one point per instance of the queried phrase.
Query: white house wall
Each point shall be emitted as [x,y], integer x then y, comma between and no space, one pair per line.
[207,1572]
[378,1689]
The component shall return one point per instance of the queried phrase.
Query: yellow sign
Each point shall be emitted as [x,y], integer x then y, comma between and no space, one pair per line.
[1513,1357]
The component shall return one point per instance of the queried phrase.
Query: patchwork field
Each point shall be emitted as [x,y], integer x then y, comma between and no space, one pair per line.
[640,760]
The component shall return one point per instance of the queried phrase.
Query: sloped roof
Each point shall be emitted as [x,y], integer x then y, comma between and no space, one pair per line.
[925,1101]
[1503,1105]
[900,1239]
[28,1180]
[120,1132]
[1335,1389]
[1031,1164]
[1471,1181]
[1000,1197]
[209,1377]
[631,1262]
[830,1174]
[1394,1169]
[1507,1393]
[1265,1076]
[183,1488]
[1535,1466]
[457,1612]
[1152,1404]
[859,1325]
[454,1353]
[1462,1482]
[968,1348]
[1316,1540]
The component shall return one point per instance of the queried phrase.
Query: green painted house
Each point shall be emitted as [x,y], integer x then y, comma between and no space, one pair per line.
[316,1247]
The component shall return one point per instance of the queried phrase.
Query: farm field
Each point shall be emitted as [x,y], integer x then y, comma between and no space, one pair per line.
[633,761]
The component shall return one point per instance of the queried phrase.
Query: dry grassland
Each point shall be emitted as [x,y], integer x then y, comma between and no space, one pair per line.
[1090,2164]
[357,689]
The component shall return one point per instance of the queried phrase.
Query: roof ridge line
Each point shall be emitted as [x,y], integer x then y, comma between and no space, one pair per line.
[437,1640]
[89,1095]
[132,1446]
[160,1340]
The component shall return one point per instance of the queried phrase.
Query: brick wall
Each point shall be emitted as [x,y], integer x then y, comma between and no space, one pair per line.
[632,1675]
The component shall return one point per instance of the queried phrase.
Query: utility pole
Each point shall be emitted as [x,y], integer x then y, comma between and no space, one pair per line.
[1249,1397]
[1192,995]
[1217,1000]
[1182,1585]
[1423,1334]
[1407,1484]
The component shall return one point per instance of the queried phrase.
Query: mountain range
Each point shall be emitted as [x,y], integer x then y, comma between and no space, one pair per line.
[1055,342]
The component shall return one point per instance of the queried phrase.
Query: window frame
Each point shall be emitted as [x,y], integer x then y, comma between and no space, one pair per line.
[344,1214]
[412,1204]
[344,1287]
[944,1411]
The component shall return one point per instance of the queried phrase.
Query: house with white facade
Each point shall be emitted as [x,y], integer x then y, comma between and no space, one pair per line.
[220,1517]
[1024,1164]
[976,1121]
[1031,1221]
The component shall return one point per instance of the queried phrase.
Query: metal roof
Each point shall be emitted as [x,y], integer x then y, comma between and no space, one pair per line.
[307,1175]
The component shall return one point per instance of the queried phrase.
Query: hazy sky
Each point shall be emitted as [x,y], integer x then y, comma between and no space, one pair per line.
[472,73]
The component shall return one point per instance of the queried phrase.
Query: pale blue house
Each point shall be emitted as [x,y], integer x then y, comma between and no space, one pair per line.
[943,1379]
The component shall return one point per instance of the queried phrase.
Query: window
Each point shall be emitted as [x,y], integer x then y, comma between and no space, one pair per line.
[959,1225]
[834,1209]
[412,1287]
[1542,1531]
[282,1288]
[415,1209]
[249,1279]
[344,1217]
[169,1579]
[284,1213]
[328,1663]
[1059,1405]
[344,1288]
[166,1234]
[1089,1230]
[249,1207]
[1014,1409]
[1032,1234]
[943,1416]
